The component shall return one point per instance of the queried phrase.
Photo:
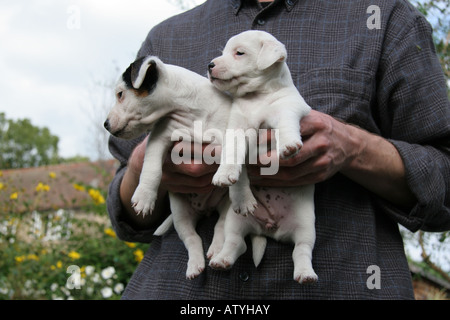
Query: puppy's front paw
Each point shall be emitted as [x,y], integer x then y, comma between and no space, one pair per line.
[226,175]
[305,276]
[143,200]
[290,149]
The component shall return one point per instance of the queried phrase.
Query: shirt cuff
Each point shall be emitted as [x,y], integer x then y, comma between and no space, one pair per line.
[124,230]
[425,179]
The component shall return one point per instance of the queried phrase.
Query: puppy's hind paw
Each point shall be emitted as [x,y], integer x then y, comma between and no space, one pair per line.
[213,250]
[194,271]
[306,277]
[245,208]
[218,263]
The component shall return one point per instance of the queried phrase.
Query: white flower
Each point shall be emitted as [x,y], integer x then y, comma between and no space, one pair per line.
[28,284]
[54,286]
[108,272]
[106,292]
[89,270]
[118,288]
[65,290]
[96,278]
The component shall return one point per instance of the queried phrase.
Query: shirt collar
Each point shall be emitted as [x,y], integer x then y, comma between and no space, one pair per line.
[237,4]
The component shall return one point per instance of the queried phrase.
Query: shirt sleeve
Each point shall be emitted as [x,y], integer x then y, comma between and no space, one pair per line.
[415,116]
[121,150]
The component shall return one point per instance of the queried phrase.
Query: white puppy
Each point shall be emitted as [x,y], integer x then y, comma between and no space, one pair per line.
[167,100]
[253,70]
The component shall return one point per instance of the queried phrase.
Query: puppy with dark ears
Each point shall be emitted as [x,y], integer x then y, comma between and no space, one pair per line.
[166,99]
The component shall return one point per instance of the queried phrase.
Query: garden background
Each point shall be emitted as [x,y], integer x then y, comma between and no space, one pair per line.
[56,240]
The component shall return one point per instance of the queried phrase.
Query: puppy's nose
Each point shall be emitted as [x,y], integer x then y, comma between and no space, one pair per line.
[107,125]
[211,66]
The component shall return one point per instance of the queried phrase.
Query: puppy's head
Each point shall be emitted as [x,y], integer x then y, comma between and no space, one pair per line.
[135,110]
[248,61]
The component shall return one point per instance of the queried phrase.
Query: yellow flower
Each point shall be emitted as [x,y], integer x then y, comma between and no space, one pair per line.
[2,186]
[83,271]
[14,196]
[19,259]
[42,187]
[78,187]
[110,232]
[130,244]
[74,255]
[52,175]
[138,255]
[32,257]
[96,196]
[58,266]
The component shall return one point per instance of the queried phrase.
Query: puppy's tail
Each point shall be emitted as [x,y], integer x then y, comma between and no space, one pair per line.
[164,227]
[259,247]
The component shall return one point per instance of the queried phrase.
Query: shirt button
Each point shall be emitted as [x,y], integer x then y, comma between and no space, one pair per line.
[244,276]
[290,3]
[261,22]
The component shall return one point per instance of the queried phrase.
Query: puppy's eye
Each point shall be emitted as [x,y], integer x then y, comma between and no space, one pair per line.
[240,53]
[119,95]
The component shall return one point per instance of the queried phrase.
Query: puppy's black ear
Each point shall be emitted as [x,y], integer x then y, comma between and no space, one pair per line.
[271,52]
[142,74]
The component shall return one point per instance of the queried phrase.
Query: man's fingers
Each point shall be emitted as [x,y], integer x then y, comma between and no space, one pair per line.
[182,183]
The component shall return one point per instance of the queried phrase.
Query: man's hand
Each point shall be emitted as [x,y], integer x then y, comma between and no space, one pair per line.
[189,177]
[331,146]
[327,148]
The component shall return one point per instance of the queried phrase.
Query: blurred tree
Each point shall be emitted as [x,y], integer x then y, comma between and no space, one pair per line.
[435,247]
[24,145]
[437,13]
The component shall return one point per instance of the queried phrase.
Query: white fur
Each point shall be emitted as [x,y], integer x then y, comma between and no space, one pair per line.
[253,70]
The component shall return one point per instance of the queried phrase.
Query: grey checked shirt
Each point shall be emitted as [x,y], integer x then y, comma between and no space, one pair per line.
[386,80]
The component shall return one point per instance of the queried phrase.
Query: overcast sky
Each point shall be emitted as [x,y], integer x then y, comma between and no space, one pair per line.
[52,51]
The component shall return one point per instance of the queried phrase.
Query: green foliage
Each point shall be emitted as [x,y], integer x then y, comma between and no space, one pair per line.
[37,265]
[25,145]
[438,14]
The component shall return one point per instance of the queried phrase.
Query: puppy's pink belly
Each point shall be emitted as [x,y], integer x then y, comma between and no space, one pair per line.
[273,206]
[207,202]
